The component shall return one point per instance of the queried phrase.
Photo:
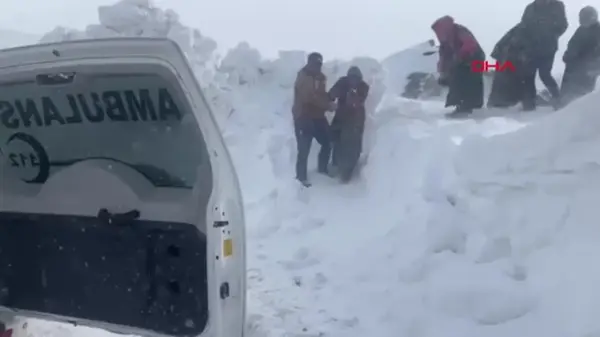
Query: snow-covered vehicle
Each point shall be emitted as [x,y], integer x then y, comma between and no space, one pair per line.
[119,204]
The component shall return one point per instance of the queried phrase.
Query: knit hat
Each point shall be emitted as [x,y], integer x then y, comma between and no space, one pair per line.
[315,58]
[354,71]
[588,16]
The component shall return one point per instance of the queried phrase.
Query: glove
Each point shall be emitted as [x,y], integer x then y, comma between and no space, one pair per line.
[443,81]
[352,98]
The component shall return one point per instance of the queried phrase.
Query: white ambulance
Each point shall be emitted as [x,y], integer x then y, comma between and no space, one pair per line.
[119,205]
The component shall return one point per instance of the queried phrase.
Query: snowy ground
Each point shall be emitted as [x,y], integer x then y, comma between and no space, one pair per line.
[478,228]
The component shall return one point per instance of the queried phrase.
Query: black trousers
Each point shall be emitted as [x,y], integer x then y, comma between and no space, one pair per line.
[347,141]
[542,64]
[465,88]
[306,130]
[577,81]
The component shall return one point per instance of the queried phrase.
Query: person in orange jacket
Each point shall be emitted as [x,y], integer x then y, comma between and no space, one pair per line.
[311,101]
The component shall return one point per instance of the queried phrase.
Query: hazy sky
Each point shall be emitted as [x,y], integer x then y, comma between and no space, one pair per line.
[337,28]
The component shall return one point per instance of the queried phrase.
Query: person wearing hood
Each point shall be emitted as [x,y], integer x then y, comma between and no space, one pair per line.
[543,23]
[582,58]
[348,124]
[311,101]
[458,50]
[507,86]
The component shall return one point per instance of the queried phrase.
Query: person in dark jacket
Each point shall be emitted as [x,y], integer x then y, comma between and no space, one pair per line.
[348,124]
[543,23]
[458,50]
[582,58]
[507,86]
[311,101]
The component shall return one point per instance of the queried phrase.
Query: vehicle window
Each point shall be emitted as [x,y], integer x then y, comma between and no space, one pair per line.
[145,274]
[139,120]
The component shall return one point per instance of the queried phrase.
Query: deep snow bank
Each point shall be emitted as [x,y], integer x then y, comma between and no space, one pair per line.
[521,211]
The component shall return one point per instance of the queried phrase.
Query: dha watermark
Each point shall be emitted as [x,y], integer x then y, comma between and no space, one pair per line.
[485,66]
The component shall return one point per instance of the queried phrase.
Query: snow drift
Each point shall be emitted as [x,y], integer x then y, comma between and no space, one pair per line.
[492,237]
[526,204]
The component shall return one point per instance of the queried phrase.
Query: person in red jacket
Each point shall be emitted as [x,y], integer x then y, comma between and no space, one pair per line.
[458,50]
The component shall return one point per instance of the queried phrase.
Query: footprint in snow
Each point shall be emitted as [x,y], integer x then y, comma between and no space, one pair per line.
[262,257]
[301,260]
[318,282]
[495,249]
[308,225]
[254,274]
[268,228]
[254,326]
[415,272]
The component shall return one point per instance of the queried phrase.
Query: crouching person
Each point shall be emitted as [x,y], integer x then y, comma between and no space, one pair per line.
[458,50]
[582,58]
[311,101]
[348,124]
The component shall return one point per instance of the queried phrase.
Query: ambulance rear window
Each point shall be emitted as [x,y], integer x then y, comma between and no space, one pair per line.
[140,120]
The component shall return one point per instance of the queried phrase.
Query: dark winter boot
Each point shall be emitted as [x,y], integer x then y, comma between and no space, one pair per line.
[326,172]
[345,177]
[304,182]
[460,112]
[528,106]
[557,103]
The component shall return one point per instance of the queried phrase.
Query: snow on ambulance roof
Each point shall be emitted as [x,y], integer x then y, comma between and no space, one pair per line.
[136,119]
